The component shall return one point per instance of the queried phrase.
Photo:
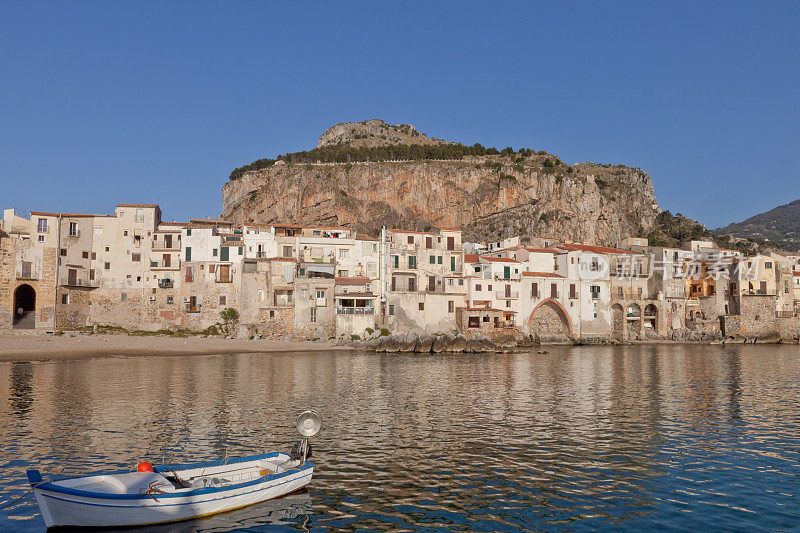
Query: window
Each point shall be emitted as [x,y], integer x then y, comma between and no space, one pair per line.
[477,268]
[474,322]
[452,264]
[534,290]
[41,238]
[272,314]
[124,297]
[461,282]
[768,265]
[428,242]
[343,254]
[451,243]
[449,281]
[572,293]
[391,309]
[421,306]
[595,290]
[241,250]
[188,232]
[63,252]
[223,300]
[125,233]
[486,319]
[410,239]
[412,262]
[94,256]
[139,215]
[189,274]
[188,253]
[439,260]
[214,252]
[412,284]
[396,260]
[433,260]
[451,306]
[85,255]
[394,283]
[553,290]
[107,248]
[313,314]
[136,258]
[478,287]
[489,288]
[212,268]
[107,266]
[73,229]
[320,295]
[65,299]
[287,251]
[594,266]
[41,226]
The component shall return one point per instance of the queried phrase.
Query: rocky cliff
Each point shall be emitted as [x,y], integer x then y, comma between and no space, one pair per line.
[489,196]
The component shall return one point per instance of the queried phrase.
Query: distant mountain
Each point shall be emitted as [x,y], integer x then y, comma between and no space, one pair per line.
[778,227]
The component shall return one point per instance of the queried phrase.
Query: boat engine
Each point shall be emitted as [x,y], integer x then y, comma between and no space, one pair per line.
[308,424]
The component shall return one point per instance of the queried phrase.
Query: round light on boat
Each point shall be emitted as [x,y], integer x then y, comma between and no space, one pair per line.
[309,423]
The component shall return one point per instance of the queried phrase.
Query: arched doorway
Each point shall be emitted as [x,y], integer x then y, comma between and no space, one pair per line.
[618,324]
[634,319]
[549,321]
[651,318]
[24,307]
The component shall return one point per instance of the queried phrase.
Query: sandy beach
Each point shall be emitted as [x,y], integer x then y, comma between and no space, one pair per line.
[43,347]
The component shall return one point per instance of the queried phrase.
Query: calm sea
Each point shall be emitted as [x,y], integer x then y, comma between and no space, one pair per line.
[667,437]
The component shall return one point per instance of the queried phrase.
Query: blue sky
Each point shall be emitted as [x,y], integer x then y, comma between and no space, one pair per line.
[113,102]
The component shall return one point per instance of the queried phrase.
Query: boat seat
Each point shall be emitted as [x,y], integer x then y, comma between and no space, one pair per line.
[139,482]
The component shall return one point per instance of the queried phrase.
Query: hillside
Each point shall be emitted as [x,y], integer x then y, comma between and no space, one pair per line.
[487,192]
[779,227]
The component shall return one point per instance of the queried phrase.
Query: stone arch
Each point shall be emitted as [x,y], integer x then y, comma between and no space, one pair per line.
[618,322]
[651,317]
[633,319]
[549,319]
[24,307]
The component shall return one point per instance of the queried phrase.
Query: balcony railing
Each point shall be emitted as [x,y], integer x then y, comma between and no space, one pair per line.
[82,283]
[22,273]
[502,295]
[355,311]
[166,283]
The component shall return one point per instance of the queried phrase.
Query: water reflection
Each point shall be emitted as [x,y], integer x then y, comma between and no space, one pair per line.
[584,438]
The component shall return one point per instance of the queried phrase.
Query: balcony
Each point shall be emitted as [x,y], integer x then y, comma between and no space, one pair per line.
[355,311]
[502,295]
[165,265]
[27,273]
[91,283]
[165,284]
[162,248]
[193,308]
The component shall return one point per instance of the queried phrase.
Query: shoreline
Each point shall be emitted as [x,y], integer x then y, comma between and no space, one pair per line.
[78,347]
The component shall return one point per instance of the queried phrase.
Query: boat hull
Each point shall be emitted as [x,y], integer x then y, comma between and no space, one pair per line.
[73,509]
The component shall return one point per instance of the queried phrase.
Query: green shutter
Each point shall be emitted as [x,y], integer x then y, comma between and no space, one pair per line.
[188,232]
[452,264]
[241,250]
[225,254]
[433,259]
[506,272]
[440,259]
[153,264]
[396,261]
[189,252]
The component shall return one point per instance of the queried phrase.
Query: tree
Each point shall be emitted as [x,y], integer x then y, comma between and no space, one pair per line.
[229,316]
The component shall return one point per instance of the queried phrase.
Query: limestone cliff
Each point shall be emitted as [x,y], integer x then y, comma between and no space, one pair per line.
[489,196]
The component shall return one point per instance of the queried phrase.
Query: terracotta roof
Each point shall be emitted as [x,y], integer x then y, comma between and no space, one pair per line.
[480,309]
[540,250]
[209,221]
[356,280]
[137,205]
[75,215]
[447,229]
[543,275]
[593,249]
[796,273]
[232,243]
[499,259]
[411,231]
[471,258]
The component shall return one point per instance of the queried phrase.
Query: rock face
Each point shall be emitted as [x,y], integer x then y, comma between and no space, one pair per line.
[373,132]
[489,197]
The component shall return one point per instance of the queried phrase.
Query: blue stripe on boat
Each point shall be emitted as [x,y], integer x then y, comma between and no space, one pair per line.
[51,487]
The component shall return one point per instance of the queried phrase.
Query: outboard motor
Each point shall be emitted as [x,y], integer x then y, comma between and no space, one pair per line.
[308,424]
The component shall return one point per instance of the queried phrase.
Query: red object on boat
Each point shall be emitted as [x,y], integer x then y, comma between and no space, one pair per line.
[144,467]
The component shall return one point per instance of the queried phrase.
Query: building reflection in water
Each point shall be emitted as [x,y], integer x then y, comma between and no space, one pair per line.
[546,438]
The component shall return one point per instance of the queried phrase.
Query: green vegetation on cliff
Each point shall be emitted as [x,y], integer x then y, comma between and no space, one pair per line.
[779,227]
[344,153]
[675,231]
